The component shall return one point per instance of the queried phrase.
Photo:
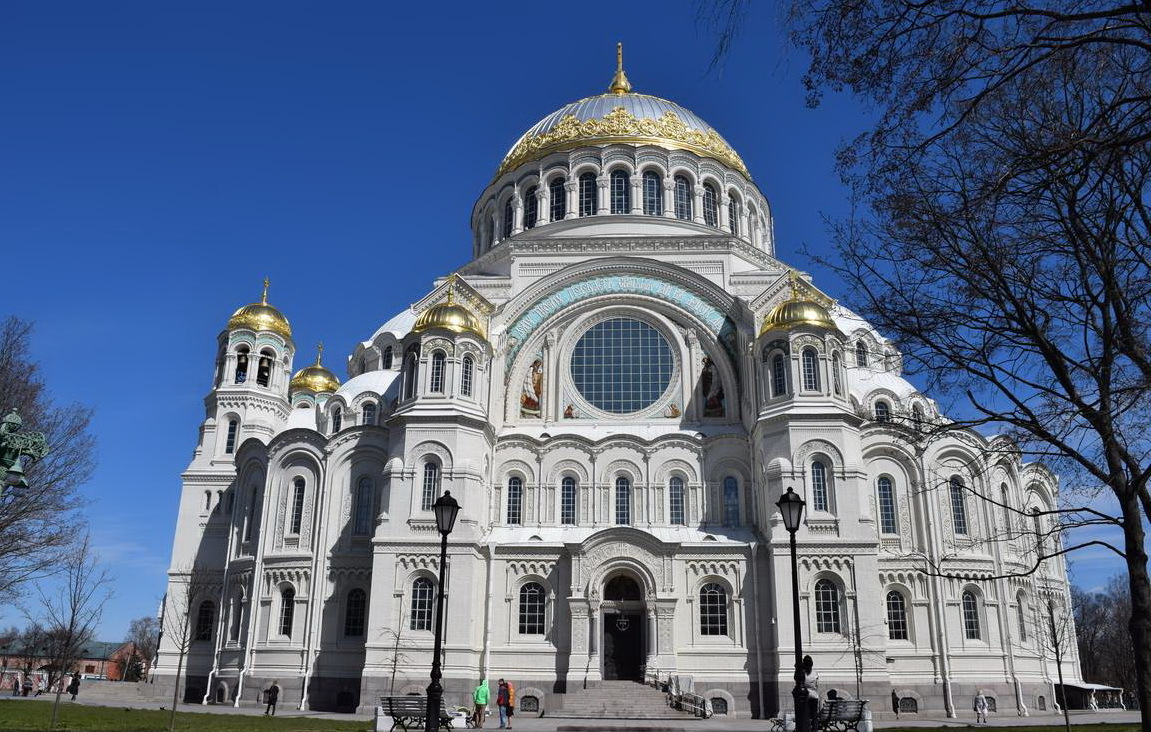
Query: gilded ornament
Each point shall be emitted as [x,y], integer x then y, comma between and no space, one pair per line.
[261,316]
[621,126]
[315,378]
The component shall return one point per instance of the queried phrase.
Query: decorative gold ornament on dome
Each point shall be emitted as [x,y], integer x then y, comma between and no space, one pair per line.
[451,316]
[797,311]
[621,126]
[261,316]
[315,378]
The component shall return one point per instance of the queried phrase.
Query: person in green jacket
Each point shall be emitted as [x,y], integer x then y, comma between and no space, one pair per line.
[480,696]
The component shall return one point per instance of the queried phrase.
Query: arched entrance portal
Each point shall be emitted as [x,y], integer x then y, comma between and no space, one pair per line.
[624,651]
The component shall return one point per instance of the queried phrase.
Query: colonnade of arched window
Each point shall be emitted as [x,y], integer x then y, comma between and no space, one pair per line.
[617,190]
[440,379]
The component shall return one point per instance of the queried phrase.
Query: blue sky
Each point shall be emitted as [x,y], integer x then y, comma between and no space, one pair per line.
[158,160]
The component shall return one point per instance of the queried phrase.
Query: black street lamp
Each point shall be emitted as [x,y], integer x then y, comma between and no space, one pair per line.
[446,509]
[791,508]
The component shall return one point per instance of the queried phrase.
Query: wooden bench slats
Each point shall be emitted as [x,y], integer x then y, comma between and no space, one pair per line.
[410,712]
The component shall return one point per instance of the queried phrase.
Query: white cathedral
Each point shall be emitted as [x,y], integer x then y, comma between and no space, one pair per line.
[617,389]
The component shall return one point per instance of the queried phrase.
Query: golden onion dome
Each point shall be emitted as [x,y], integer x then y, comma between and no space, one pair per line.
[449,316]
[261,316]
[621,116]
[797,311]
[314,378]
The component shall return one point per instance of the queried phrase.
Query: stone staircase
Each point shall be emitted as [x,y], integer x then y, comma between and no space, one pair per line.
[616,700]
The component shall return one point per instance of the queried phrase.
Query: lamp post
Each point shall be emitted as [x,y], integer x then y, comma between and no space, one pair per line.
[446,509]
[14,446]
[791,509]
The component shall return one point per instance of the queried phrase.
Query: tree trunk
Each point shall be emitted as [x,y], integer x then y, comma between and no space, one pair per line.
[1139,624]
[176,692]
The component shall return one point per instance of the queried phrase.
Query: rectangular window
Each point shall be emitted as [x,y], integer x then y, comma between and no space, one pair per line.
[622,501]
[431,486]
[887,524]
[297,507]
[676,502]
[568,502]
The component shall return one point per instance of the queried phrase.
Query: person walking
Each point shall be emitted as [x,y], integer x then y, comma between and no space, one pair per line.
[979,706]
[26,685]
[511,703]
[895,703]
[74,687]
[811,683]
[502,702]
[271,696]
[480,699]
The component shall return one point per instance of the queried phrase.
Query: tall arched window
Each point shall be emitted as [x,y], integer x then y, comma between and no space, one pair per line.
[710,206]
[712,609]
[958,505]
[683,198]
[423,592]
[242,365]
[810,370]
[264,369]
[251,519]
[1005,500]
[362,521]
[515,500]
[205,619]
[819,497]
[386,360]
[622,501]
[676,502]
[588,195]
[355,613]
[230,442]
[778,375]
[860,353]
[531,609]
[410,373]
[836,376]
[1021,614]
[917,415]
[509,218]
[652,193]
[896,616]
[568,501]
[431,486]
[620,192]
[826,607]
[730,501]
[337,420]
[287,611]
[887,518]
[531,207]
[971,630]
[467,375]
[559,203]
[436,385]
[369,412]
[882,411]
[236,617]
[734,212]
[297,506]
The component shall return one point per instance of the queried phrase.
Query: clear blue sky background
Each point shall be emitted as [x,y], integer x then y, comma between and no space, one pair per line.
[158,160]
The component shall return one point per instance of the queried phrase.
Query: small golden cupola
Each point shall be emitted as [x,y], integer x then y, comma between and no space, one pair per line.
[315,378]
[797,311]
[450,315]
[261,316]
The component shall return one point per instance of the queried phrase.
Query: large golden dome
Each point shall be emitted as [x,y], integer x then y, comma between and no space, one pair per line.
[797,311]
[449,316]
[621,116]
[315,378]
[261,316]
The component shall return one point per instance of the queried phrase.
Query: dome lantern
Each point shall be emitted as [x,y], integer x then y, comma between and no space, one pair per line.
[315,378]
[261,316]
[797,311]
[450,315]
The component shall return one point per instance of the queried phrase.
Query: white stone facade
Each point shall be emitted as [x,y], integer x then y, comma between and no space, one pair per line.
[612,521]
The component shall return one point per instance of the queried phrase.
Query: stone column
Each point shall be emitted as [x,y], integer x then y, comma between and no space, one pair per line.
[669,197]
[517,214]
[571,189]
[697,204]
[637,194]
[603,186]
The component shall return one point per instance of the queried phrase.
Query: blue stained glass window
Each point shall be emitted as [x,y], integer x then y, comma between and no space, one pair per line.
[622,365]
[730,501]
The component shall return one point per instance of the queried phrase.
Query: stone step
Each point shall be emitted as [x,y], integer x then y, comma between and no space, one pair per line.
[617,700]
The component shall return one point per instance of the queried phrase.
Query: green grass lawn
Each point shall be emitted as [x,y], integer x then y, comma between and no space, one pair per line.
[36,716]
[1028,728]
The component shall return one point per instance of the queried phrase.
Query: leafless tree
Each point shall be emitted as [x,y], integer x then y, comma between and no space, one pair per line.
[144,636]
[70,611]
[38,525]
[1001,229]
[1104,644]
[189,587]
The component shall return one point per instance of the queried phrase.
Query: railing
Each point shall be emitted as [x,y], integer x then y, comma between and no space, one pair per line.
[677,698]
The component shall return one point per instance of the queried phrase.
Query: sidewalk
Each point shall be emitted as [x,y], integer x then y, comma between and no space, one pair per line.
[546,724]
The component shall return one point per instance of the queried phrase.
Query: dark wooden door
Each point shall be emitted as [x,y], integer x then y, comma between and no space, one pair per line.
[623,647]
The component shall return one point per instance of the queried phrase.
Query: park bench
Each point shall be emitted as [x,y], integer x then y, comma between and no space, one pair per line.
[410,712]
[839,715]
